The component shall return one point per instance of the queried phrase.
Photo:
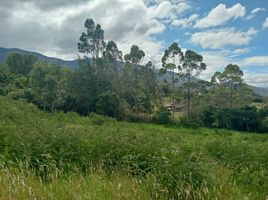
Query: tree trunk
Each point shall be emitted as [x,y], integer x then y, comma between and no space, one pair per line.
[231,97]
[188,94]
[173,93]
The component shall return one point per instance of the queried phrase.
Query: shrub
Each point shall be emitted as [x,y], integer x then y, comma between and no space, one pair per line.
[108,104]
[162,116]
[191,121]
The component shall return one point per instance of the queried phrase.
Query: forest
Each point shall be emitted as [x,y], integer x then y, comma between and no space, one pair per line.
[123,87]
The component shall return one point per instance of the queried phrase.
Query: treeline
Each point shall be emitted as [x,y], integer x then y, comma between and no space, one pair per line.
[118,86]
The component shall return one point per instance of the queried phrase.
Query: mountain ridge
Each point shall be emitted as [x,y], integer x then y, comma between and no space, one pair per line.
[4,52]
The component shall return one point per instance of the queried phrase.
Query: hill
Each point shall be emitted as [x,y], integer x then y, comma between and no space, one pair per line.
[74,64]
[123,160]
[5,51]
[260,90]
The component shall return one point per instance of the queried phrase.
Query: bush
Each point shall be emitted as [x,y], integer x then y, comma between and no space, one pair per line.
[142,117]
[162,116]
[191,121]
[108,104]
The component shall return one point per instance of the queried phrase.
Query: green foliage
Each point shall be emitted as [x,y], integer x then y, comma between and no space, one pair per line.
[45,85]
[244,119]
[230,84]
[162,116]
[108,104]
[172,163]
[4,69]
[191,122]
[20,64]
[135,55]
[91,42]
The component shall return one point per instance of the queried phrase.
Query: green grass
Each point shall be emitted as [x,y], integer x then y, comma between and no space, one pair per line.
[54,153]
[23,184]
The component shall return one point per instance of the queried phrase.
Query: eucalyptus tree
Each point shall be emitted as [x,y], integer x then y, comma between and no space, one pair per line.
[135,56]
[92,44]
[231,82]
[147,76]
[133,85]
[190,67]
[113,57]
[170,61]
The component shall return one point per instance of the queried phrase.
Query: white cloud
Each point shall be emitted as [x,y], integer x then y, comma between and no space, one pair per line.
[215,60]
[265,23]
[218,60]
[168,10]
[55,31]
[255,61]
[254,12]
[220,38]
[257,79]
[186,22]
[220,14]
[238,52]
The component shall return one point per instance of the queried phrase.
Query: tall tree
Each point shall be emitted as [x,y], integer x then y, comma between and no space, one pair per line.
[230,82]
[132,60]
[191,66]
[92,42]
[170,61]
[44,82]
[92,45]
[113,57]
[135,55]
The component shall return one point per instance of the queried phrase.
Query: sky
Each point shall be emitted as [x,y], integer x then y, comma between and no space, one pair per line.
[222,31]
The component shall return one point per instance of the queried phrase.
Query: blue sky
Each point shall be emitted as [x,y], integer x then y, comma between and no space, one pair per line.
[246,22]
[223,31]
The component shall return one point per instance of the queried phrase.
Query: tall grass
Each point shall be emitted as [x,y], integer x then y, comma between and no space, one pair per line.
[157,162]
[21,183]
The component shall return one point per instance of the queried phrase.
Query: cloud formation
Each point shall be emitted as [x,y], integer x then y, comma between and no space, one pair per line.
[54,27]
[186,22]
[220,38]
[254,12]
[220,15]
[265,23]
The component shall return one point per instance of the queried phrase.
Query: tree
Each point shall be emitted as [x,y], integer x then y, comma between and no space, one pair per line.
[92,44]
[230,84]
[170,61]
[4,69]
[20,64]
[191,66]
[113,56]
[108,103]
[134,95]
[44,82]
[135,55]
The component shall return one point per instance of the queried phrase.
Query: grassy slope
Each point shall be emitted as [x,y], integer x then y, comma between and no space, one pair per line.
[163,162]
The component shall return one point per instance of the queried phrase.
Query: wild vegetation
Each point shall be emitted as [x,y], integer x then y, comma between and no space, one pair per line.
[67,133]
[44,154]
[131,91]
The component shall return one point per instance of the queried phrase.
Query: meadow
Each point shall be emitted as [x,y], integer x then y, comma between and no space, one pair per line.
[66,156]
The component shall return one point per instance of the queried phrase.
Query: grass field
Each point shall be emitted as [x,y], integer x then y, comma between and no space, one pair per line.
[65,156]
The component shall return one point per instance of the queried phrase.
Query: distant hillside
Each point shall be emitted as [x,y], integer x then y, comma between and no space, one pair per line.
[5,51]
[260,90]
[74,64]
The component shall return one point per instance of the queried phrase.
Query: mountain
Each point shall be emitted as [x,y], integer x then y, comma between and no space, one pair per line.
[260,90]
[74,64]
[4,52]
